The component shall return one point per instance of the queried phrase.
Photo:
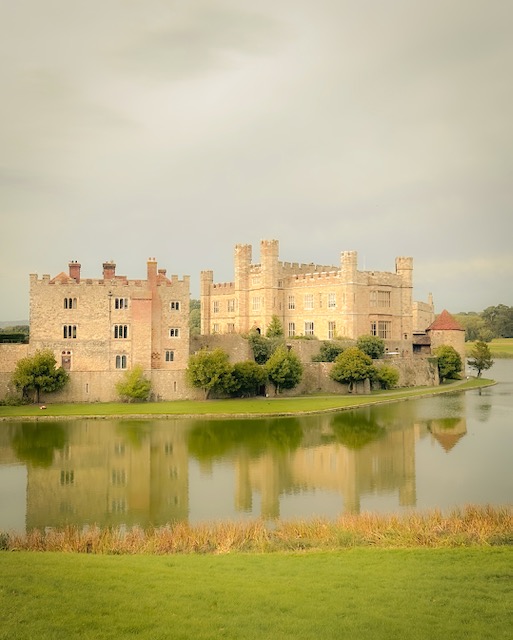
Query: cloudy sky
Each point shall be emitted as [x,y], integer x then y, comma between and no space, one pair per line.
[175,130]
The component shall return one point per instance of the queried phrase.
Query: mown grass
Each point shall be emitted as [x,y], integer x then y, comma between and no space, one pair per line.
[473,525]
[235,406]
[358,593]
[499,348]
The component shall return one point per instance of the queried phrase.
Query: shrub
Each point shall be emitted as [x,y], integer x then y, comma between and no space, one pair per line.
[134,387]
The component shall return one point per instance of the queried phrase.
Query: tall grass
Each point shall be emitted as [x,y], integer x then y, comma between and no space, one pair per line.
[473,525]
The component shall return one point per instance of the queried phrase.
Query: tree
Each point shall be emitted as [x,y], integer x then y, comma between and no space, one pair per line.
[480,357]
[38,373]
[134,387]
[373,346]
[263,347]
[248,377]
[328,351]
[449,362]
[284,369]
[275,328]
[195,317]
[352,366]
[387,376]
[210,371]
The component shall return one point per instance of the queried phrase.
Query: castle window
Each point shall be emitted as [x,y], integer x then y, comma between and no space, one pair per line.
[255,280]
[256,302]
[231,305]
[67,477]
[309,302]
[280,284]
[120,303]
[332,331]
[215,327]
[309,328]
[69,331]
[379,298]
[292,329]
[174,332]
[332,300]
[120,331]
[121,362]
[292,302]
[66,360]
[118,477]
[384,329]
[70,303]
[170,355]
[174,305]
[230,327]
[215,306]
[118,505]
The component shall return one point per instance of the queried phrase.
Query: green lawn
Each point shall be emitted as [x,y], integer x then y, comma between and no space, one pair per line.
[359,593]
[236,406]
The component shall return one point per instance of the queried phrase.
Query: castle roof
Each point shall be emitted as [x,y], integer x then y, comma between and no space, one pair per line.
[445,322]
[63,278]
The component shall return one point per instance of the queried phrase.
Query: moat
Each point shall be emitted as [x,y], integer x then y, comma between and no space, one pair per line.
[439,452]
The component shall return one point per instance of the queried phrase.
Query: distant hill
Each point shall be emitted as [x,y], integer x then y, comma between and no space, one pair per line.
[13,323]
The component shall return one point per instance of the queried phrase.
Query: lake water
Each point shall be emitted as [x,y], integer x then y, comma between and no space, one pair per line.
[441,452]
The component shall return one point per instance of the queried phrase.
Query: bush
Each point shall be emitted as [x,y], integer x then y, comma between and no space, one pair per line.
[134,387]
[388,377]
[373,346]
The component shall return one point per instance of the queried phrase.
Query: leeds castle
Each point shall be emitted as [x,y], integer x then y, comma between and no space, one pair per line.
[99,328]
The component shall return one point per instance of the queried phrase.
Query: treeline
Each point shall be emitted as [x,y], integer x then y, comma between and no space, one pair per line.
[493,322]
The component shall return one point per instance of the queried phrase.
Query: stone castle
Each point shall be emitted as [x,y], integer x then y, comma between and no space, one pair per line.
[99,328]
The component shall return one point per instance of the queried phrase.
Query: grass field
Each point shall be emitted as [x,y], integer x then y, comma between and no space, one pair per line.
[358,593]
[502,348]
[235,406]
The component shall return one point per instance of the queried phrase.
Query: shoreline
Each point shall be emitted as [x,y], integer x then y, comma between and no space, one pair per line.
[395,396]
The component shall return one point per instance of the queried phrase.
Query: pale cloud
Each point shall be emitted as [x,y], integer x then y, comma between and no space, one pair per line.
[130,129]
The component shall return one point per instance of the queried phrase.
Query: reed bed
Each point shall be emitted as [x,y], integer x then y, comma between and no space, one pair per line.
[470,526]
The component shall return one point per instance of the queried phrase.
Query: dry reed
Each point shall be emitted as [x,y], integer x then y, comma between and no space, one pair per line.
[473,525]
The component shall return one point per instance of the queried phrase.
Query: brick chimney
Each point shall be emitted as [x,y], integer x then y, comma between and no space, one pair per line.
[109,270]
[152,271]
[74,270]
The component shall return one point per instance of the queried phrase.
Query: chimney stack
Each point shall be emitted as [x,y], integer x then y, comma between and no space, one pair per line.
[109,270]
[74,270]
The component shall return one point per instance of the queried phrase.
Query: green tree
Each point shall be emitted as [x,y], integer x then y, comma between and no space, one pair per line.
[353,366]
[449,362]
[249,377]
[284,369]
[134,387]
[194,317]
[480,357]
[261,346]
[387,376]
[38,373]
[373,346]
[210,371]
[275,328]
[328,351]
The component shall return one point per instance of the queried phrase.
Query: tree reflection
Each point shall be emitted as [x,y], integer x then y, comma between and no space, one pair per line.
[35,443]
[210,439]
[134,431]
[355,429]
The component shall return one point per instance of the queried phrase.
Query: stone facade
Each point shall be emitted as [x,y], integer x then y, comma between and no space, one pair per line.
[103,327]
[324,301]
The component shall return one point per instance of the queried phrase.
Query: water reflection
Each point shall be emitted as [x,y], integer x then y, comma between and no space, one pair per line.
[154,472]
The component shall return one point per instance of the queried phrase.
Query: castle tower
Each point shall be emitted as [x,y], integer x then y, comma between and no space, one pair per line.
[404,269]
[349,283]
[269,250]
[206,282]
[242,260]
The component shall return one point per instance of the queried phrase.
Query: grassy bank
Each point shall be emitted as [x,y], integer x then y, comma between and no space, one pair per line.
[357,593]
[235,406]
[499,348]
[491,526]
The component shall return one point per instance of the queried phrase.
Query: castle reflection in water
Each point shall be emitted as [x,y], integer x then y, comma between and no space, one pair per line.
[136,472]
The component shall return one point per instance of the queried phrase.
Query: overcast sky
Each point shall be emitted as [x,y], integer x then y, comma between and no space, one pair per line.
[175,130]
